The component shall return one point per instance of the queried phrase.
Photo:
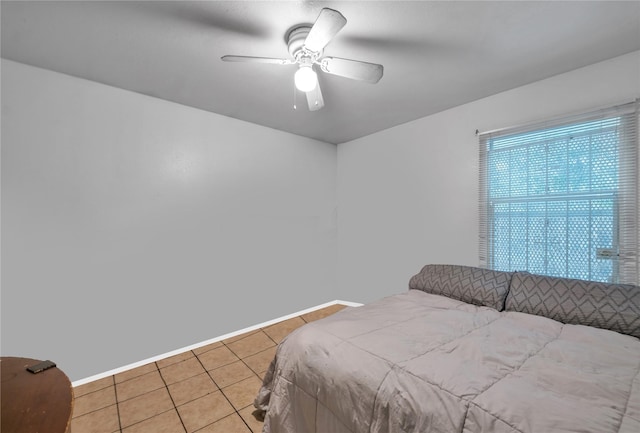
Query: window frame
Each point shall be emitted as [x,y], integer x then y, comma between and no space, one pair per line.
[627,196]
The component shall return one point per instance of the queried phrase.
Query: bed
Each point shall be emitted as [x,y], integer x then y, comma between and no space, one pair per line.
[465,350]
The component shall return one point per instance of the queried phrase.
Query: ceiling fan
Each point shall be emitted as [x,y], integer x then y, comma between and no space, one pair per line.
[306,45]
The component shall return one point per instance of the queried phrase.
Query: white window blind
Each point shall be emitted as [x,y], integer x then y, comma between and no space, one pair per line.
[561,198]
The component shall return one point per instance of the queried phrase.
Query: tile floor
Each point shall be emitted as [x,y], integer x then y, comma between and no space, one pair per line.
[205,390]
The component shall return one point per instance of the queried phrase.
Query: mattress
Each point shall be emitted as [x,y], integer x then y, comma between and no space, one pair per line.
[418,362]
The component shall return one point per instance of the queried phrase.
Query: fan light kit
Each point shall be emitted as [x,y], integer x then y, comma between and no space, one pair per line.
[305,79]
[306,45]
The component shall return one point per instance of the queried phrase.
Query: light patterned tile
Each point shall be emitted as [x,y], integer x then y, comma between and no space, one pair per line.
[174,359]
[190,389]
[230,424]
[147,406]
[139,385]
[207,348]
[166,422]
[144,406]
[101,421]
[278,331]
[205,410]
[96,385]
[182,370]
[259,362]
[251,345]
[252,421]
[230,374]
[242,394]
[135,372]
[217,358]
[94,401]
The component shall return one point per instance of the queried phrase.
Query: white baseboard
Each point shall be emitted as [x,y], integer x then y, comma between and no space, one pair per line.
[213,340]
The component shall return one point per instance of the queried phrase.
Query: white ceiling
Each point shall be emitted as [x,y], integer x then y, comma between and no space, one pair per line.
[436,55]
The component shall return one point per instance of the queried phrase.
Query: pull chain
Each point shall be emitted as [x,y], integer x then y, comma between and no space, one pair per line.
[295,95]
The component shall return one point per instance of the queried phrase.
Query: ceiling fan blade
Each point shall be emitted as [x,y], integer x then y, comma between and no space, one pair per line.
[250,59]
[327,25]
[314,98]
[354,69]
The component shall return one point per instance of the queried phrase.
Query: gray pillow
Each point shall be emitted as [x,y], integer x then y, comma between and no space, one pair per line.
[468,284]
[609,306]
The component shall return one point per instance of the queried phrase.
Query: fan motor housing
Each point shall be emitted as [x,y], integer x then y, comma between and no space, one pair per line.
[295,39]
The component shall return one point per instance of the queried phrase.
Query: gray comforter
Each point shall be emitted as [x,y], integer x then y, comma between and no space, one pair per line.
[417,362]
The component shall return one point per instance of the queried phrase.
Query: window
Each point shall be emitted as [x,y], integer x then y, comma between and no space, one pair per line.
[561,198]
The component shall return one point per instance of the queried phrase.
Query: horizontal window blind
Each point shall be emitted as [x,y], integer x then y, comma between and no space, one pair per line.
[561,197]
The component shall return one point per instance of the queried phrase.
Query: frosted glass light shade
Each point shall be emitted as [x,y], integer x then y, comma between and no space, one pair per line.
[305,79]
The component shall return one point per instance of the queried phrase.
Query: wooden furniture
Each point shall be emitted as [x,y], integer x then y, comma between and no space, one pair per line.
[41,402]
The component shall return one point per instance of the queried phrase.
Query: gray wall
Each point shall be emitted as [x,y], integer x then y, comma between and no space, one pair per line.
[408,196]
[132,226]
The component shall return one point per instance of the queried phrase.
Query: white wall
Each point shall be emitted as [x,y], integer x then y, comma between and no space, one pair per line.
[132,226]
[408,196]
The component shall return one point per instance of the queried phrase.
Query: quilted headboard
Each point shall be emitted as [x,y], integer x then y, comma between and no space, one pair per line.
[468,284]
